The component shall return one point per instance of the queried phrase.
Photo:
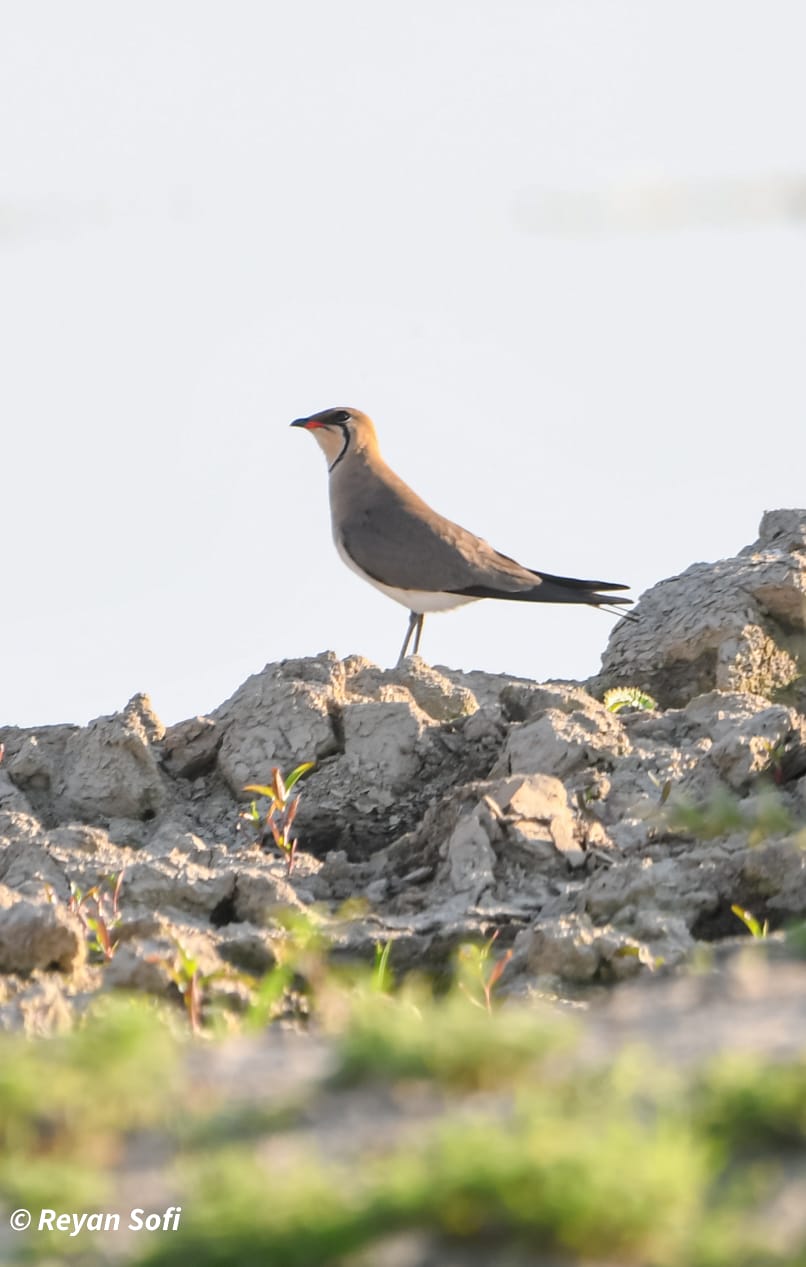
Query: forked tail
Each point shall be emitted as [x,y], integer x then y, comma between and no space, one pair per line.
[559,589]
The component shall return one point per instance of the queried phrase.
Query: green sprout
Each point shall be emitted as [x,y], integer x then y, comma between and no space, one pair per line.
[192,983]
[99,913]
[750,922]
[382,979]
[476,970]
[282,809]
[586,796]
[628,697]
[664,788]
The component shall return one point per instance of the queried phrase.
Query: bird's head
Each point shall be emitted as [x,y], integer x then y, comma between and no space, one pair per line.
[339,432]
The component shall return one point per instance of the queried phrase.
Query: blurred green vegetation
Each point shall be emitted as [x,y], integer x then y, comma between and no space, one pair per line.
[68,1103]
[724,813]
[430,1113]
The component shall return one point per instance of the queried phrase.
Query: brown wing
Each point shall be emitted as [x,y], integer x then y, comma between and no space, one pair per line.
[396,538]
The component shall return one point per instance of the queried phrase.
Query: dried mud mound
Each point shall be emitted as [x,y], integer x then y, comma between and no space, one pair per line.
[600,844]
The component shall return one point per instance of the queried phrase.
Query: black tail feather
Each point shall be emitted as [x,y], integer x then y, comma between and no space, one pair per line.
[555,589]
[571,583]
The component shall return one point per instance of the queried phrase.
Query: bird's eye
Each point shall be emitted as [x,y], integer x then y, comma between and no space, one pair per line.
[338,416]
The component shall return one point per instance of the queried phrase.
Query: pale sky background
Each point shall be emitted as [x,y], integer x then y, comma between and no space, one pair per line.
[554,247]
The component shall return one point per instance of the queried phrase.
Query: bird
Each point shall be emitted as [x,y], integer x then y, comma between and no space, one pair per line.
[394,540]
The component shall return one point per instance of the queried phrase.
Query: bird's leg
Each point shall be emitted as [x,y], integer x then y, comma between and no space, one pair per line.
[419,633]
[413,623]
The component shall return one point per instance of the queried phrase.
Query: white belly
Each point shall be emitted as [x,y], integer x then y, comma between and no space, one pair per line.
[420,601]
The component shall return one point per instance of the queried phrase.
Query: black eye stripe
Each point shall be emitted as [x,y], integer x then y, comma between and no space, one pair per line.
[336,417]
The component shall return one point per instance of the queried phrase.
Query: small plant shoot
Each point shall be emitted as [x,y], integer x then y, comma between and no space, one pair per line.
[754,928]
[282,809]
[479,973]
[99,913]
[628,697]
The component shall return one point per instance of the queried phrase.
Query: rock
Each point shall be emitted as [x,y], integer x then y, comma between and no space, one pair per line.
[190,748]
[139,712]
[133,833]
[34,758]
[260,895]
[248,948]
[19,826]
[470,855]
[560,743]
[38,935]
[111,767]
[526,701]
[782,535]
[32,764]
[381,741]
[433,692]
[38,1007]
[783,530]
[172,837]
[757,745]
[538,817]
[725,626]
[447,806]
[79,838]
[11,798]
[144,966]
[30,869]
[573,949]
[175,884]
[278,719]
[488,689]
[485,727]
[774,870]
